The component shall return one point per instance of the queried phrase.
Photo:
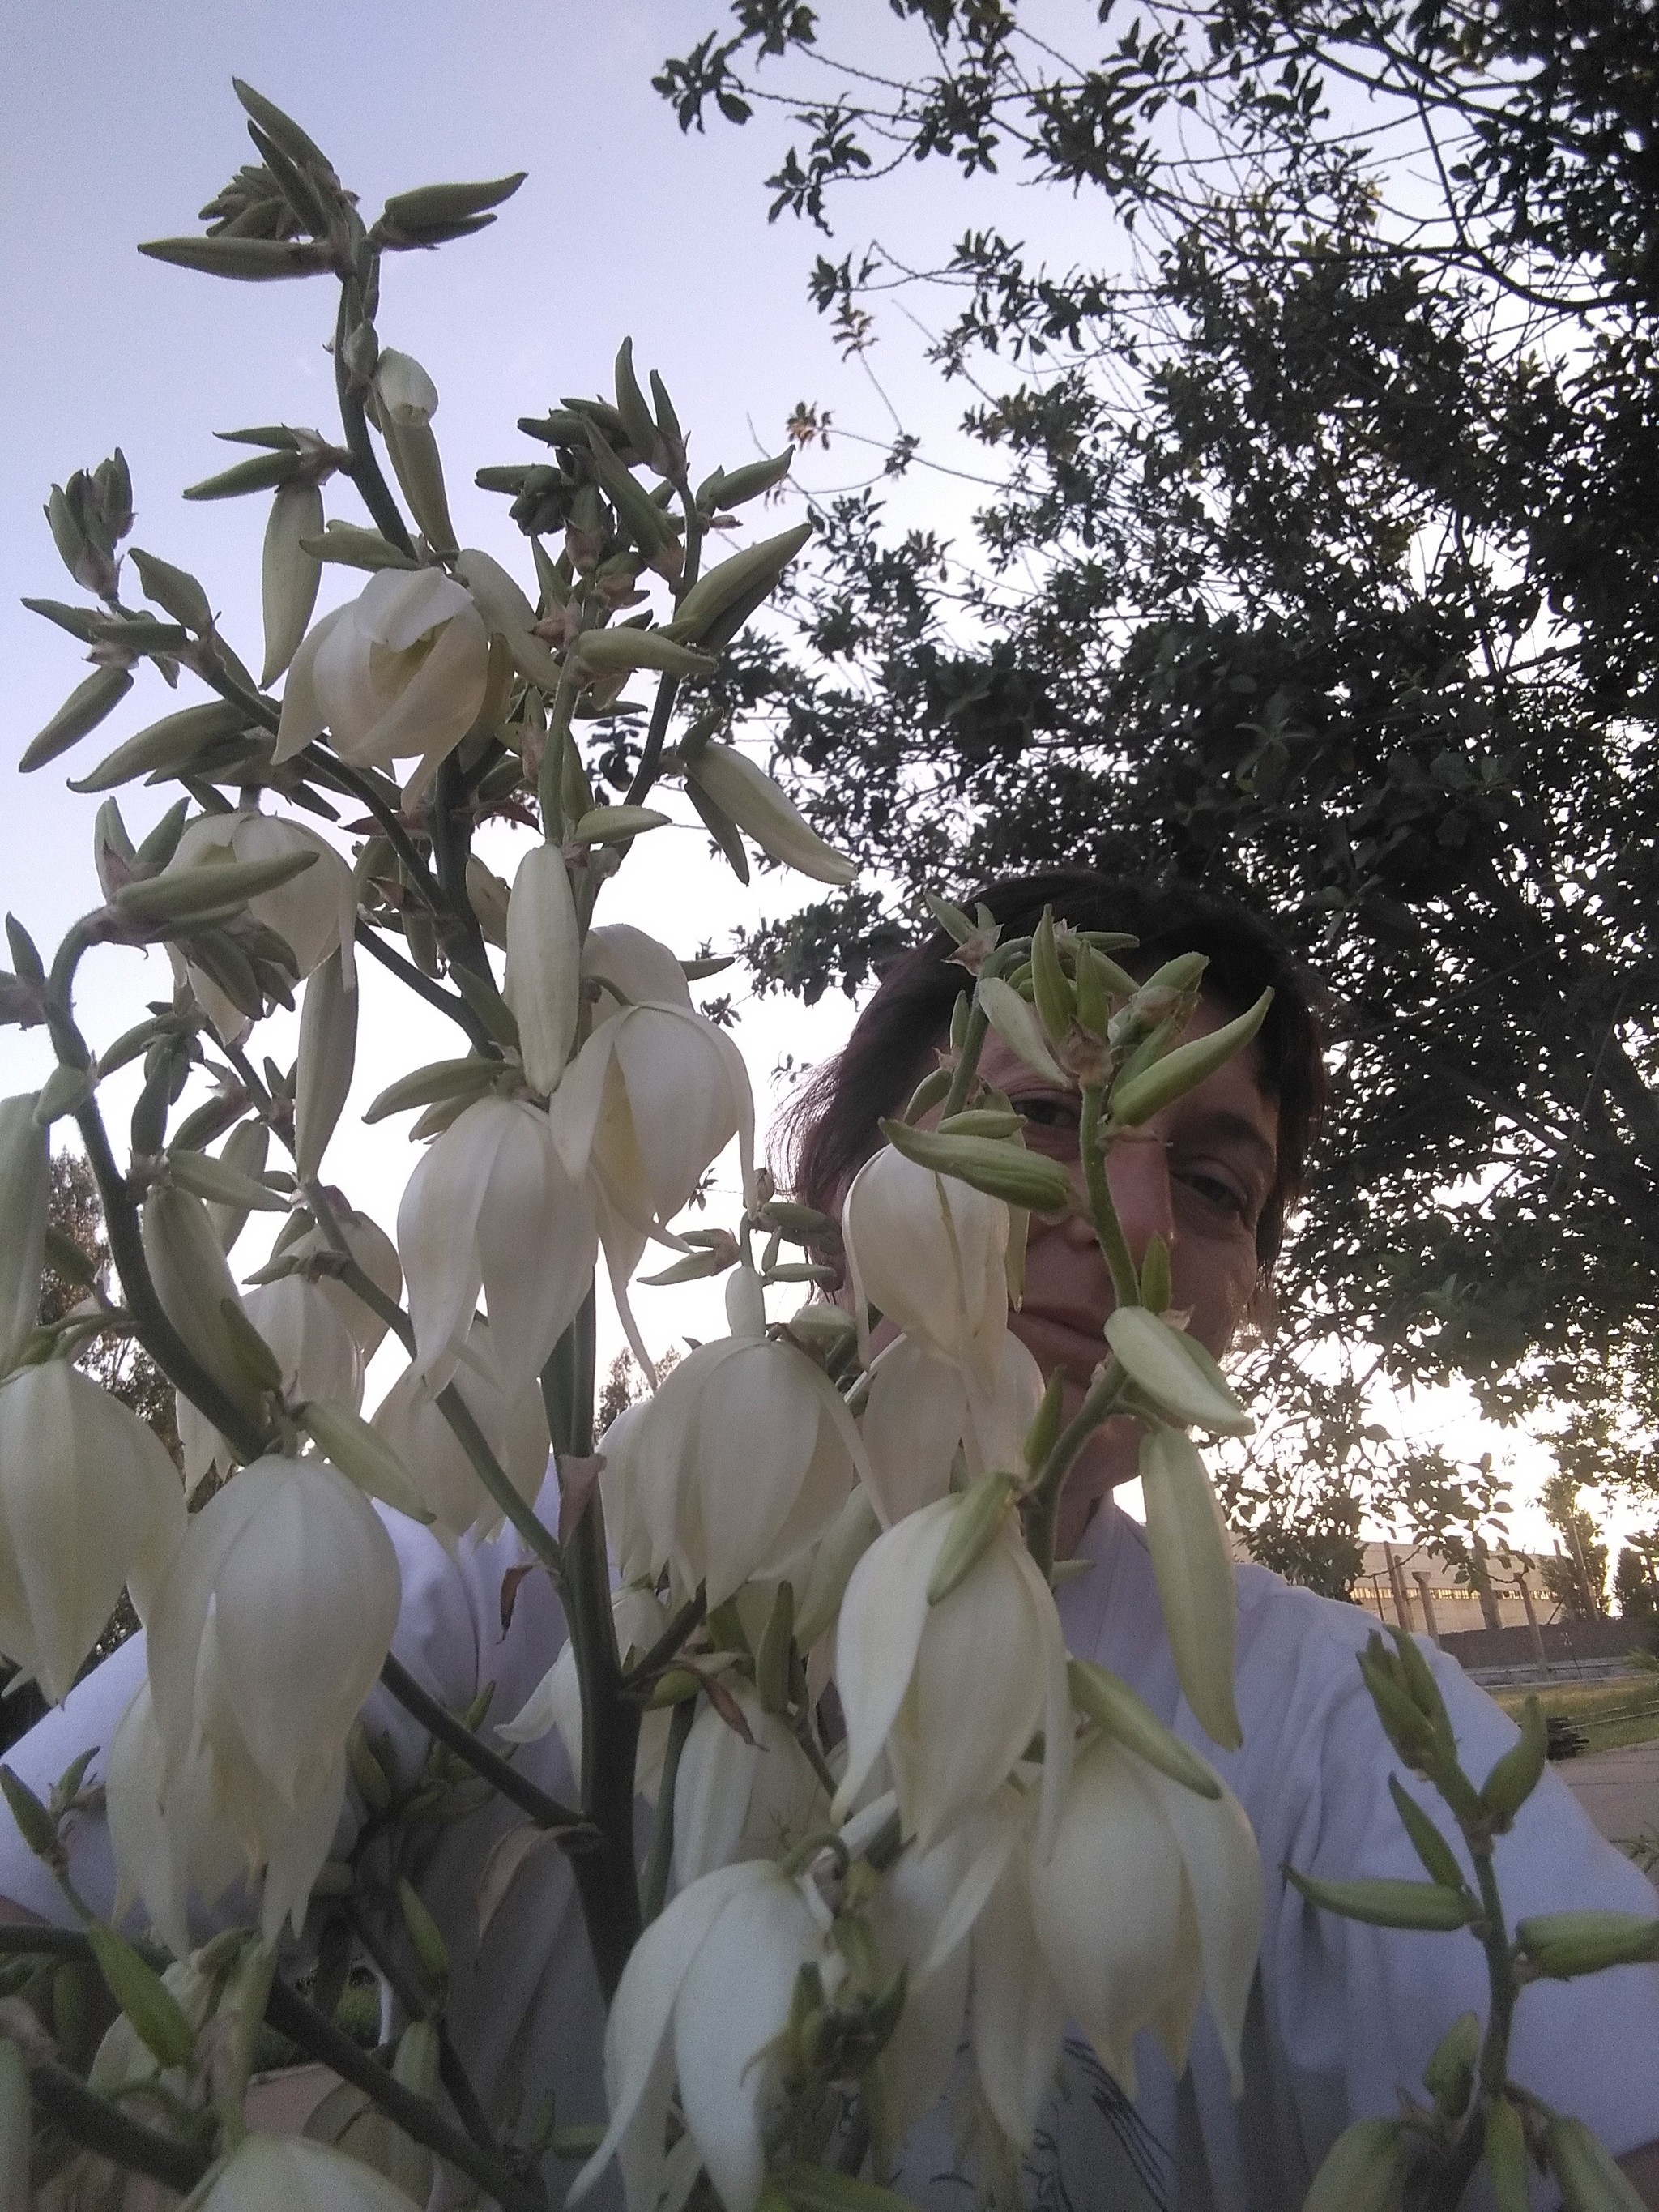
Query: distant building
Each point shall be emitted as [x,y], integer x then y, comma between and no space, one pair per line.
[1421,1591]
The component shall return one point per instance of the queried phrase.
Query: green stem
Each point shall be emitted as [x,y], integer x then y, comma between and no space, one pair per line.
[490,1472]
[452,842]
[668,688]
[653,1883]
[688,1617]
[423,986]
[607,1879]
[1042,1506]
[150,1324]
[64,2100]
[545,1812]
[362,787]
[291,2016]
[1125,1276]
[365,469]
[966,1066]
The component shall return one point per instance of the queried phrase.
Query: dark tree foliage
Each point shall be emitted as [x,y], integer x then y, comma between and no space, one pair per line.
[1323,571]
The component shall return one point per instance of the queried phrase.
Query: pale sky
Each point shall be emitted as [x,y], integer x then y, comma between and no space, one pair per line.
[116,124]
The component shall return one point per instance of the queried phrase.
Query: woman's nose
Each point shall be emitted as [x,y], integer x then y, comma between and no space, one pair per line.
[1137,1176]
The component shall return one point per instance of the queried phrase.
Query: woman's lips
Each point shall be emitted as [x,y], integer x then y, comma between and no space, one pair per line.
[1060,1340]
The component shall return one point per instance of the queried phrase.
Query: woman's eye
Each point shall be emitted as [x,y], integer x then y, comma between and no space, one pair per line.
[1216,1194]
[1058,1115]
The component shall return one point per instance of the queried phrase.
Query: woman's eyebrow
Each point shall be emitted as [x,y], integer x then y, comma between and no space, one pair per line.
[1222,1125]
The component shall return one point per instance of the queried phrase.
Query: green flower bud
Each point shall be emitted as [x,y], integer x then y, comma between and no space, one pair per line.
[441,1081]
[1365,2170]
[253,260]
[613,652]
[758,567]
[1505,2153]
[155,2012]
[262,472]
[1428,1906]
[25,1189]
[1439,1861]
[362,1455]
[730,488]
[1019,1028]
[165,747]
[1107,1700]
[328,1053]
[1563,1944]
[978,1515]
[82,711]
[1159,1361]
[1516,1775]
[216,887]
[1590,2180]
[1137,1100]
[1003,1170]
[357,548]
[175,590]
[1449,2075]
[289,573]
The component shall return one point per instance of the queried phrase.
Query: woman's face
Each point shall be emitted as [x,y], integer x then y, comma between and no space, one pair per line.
[1198,1175]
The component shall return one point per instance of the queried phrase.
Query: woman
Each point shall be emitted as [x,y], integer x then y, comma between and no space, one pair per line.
[1343,2015]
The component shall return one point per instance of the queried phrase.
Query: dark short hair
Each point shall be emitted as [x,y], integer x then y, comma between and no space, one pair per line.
[832,1126]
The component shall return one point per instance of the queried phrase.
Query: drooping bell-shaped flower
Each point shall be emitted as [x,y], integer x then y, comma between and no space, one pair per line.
[703,2001]
[923,1409]
[314,913]
[301,1584]
[734,1799]
[376,1253]
[556,1700]
[633,969]
[289,2174]
[739,1463]
[1150,1898]
[930,1254]
[650,1101]
[398,671]
[165,1856]
[89,1500]
[953,1692]
[317,1354]
[513,1423]
[494,1208]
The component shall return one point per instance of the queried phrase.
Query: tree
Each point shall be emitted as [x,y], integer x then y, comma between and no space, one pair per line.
[1577,1577]
[117,1360]
[1319,570]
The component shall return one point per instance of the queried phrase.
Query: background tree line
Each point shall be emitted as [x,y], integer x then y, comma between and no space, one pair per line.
[1321,571]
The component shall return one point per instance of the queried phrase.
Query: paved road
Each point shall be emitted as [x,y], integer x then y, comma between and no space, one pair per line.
[1619,1790]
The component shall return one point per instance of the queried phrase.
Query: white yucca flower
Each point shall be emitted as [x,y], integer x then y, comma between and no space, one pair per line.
[291,1572]
[736,1465]
[317,1353]
[930,1254]
[315,914]
[736,1800]
[922,1409]
[953,1692]
[649,1103]
[633,969]
[398,671]
[1150,1898]
[703,2001]
[493,1207]
[514,1423]
[89,1500]
[287,2173]
[374,1252]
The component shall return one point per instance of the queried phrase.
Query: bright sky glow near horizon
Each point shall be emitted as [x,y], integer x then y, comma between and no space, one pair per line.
[118,124]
